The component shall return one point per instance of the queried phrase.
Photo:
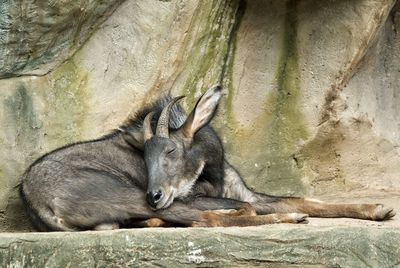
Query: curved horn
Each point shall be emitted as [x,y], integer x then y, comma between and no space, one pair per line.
[163,121]
[147,132]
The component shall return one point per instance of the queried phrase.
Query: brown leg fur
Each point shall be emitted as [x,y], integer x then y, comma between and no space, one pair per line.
[212,219]
[316,208]
[151,223]
[245,210]
[235,188]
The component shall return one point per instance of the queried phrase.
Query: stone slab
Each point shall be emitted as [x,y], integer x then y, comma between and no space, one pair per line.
[281,245]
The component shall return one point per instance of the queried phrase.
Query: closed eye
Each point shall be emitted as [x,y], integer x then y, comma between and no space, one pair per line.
[171,151]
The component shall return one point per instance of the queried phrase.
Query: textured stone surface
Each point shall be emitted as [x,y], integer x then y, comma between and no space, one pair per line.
[311,88]
[271,246]
[287,96]
[35,36]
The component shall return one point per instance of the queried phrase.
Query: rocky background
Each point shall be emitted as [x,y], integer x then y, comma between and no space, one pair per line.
[311,101]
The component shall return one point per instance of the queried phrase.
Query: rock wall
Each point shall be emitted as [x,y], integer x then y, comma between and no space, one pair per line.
[293,88]
[311,88]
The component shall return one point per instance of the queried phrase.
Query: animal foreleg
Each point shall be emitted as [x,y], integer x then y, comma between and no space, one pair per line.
[316,208]
[235,188]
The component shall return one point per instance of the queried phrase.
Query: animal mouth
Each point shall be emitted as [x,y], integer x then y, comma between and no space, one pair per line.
[167,201]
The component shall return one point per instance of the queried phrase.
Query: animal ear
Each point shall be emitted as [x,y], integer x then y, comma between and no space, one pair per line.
[138,137]
[202,113]
[134,138]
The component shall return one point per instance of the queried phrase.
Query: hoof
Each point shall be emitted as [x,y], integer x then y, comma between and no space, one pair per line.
[382,213]
[298,218]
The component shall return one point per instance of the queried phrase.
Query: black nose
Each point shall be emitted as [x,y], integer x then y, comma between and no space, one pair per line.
[153,197]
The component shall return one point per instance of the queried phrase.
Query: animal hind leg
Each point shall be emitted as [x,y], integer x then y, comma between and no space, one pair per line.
[105,211]
[52,222]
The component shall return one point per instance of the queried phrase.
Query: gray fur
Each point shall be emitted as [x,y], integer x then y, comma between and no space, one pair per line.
[113,181]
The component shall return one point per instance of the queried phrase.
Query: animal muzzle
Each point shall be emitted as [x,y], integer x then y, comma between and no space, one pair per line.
[161,198]
[154,198]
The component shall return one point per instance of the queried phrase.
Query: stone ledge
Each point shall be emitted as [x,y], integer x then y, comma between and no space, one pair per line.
[274,246]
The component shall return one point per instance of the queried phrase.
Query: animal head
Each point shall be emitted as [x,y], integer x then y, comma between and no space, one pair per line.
[172,159]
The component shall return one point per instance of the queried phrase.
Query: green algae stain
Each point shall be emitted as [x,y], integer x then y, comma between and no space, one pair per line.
[264,151]
[286,124]
[22,116]
[39,116]
[233,41]
[21,131]
[287,127]
[225,122]
[206,59]
[283,121]
[67,100]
